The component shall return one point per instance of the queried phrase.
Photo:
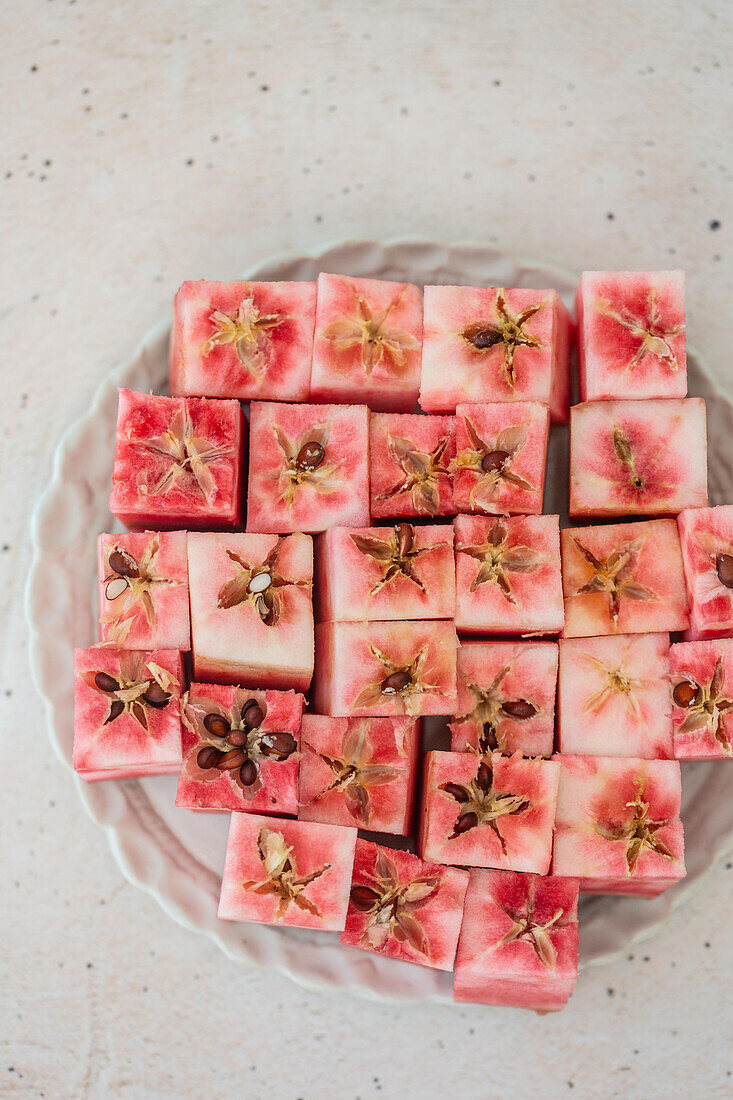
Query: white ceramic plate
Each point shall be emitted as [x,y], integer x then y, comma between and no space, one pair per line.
[177,856]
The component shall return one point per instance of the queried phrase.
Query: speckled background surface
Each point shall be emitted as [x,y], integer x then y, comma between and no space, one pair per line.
[149,143]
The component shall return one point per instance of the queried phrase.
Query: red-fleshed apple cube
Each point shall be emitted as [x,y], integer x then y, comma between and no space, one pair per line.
[309,467]
[706,535]
[501,452]
[489,811]
[143,590]
[508,575]
[519,941]
[296,874]
[613,696]
[178,462]
[411,465]
[127,718]
[623,578]
[506,698]
[617,826]
[368,342]
[385,668]
[404,908]
[638,457]
[251,341]
[631,334]
[701,676]
[240,750]
[491,344]
[252,609]
[400,572]
[359,772]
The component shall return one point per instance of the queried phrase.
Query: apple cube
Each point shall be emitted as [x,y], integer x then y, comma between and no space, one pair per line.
[178,462]
[519,941]
[623,578]
[701,675]
[706,535]
[309,467]
[638,457]
[506,698]
[617,826]
[252,609]
[490,344]
[501,451]
[359,771]
[143,590]
[411,465]
[400,572]
[508,577]
[403,908]
[245,340]
[240,750]
[613,696]
[490,811]
[385,668]
[296,874]
[631,334]
[127,718]
[368,342]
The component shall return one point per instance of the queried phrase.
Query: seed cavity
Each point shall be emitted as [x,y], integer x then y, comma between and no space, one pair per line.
[260,582]
[405,535]
[687,694]
[207,757]
[364,898]
[310,456]
[105,682]
[231,760]
[237,738]
[724,569]
[156,696]
[123,564]
[252,714]
[396,682]
[486,338]
[216,725]
[494,460]
[115,587]
[115,711]
[518,708]
[248,773]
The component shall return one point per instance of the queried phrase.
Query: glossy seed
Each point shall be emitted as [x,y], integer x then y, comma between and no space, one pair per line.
[115,587]
[465,822]
[486,338]
[364,898]
[518,708]
[405,534]
[156,697]
[395,682]
[520,808]
[310,456]
[494,460]
[252,714]
[115,710]
[724,569]
[123,564]
[279,746]
[686,694]
[216,724]
[105,682]
[488,738]
[207,757]
[248,773]
[232,759]
[237,738]
[484,777]
[455,790]
[260,582]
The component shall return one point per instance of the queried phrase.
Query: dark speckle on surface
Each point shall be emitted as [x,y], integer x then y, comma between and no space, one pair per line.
[714,224]
[610,216]
[264,87]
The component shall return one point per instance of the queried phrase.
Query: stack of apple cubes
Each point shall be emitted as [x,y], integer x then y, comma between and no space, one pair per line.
[516,818]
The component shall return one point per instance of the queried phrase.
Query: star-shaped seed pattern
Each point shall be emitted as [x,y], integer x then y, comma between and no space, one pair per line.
[259,584]
[392,906]
[396,555]
[306,464]
[706,705]
[401,683]
[499,558]
[232,741]
[371,332]
[281,875]
[491,460]
[491,710]
[638,831]
[355,773]
[248,330]
[617,684]
[648,329]
[139,686]
[423,473]
[188,459]
[527,929]
[129,584]
[505,329]
[482,803]
[613,576]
